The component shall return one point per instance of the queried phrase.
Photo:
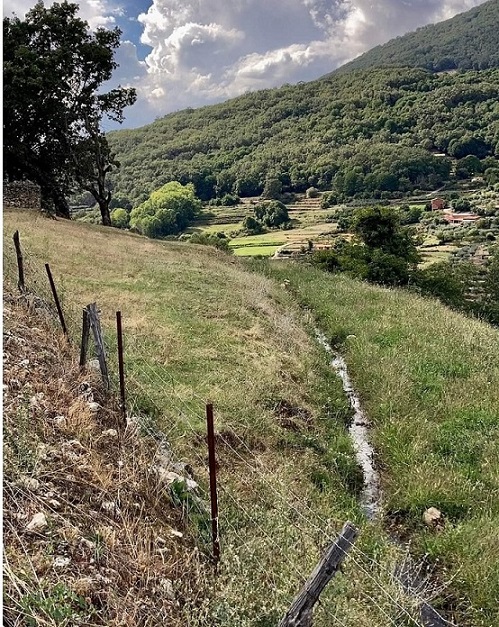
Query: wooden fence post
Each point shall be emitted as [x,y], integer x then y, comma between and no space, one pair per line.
[300,612]
[93,316]
[56,300]
[20,266]
[213,483]
[85,334]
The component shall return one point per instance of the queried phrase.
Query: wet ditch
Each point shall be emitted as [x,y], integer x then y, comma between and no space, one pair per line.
[408,576]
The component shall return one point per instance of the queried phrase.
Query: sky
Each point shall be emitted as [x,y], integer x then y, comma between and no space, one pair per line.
[189,53]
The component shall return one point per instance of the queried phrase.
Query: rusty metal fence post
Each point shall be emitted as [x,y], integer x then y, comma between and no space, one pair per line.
[121,365]
[213,483]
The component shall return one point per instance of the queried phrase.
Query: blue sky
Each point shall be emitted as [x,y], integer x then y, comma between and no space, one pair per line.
[188,53]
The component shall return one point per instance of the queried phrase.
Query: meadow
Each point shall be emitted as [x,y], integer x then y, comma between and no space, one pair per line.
[428,379]
[202,325]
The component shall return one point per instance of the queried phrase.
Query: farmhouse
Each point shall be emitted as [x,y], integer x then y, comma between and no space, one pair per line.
[437,204]
[461,218]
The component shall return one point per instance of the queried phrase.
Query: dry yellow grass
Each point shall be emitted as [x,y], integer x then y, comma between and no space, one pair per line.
[199,326]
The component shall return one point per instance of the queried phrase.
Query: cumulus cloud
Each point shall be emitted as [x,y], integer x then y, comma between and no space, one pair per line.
[194,52]
[98,13]
[203,51]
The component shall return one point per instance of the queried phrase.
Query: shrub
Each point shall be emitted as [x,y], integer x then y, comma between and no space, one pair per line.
[312,192]
[218,241]
[167,211]
[120,218]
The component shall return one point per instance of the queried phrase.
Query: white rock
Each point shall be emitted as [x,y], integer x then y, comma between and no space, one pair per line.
[30,483]
[110,433]
[169,477]
[94,407]
[111,507]
[37,523]
[61,561]
[176,534]
[433,517]
[167,587]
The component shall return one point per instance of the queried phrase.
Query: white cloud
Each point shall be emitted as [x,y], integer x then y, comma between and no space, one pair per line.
[208,50]
[203,51]
[95,12]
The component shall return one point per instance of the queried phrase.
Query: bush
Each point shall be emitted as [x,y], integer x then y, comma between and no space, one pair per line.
[120,218]
[218,241]
[312,192]
[167,211]
[448,282]
[272,213]
[252,226]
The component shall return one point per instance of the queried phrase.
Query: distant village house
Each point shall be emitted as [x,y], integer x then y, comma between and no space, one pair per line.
[461,218]
[438,204]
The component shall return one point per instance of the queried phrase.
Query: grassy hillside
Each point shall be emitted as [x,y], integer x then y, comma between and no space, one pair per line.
[368,133]
[466,41]
[429,380]
[199,326]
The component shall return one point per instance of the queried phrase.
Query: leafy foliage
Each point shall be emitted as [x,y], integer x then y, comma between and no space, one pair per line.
[467,41]
[120,218]
[167,211]
[271,213]
[384,252]
[366,134]
[54,67]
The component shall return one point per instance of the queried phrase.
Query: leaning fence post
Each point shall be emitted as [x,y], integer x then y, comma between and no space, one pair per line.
[99,342]
[56,299]
[213,483]
[20,266]
[300,612]
[85,333]
[121,365]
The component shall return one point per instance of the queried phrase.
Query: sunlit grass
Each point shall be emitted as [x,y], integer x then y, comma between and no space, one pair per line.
[429,381]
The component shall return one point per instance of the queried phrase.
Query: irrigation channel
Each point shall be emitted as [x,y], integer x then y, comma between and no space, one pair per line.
[408,575]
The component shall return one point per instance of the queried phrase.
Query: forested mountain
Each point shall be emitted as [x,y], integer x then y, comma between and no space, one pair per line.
[365,132]
[467,41]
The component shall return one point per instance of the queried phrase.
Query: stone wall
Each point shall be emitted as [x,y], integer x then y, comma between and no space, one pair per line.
[22,194]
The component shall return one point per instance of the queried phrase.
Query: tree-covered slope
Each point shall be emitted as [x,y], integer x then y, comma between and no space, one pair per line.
[467,41]
[363,132]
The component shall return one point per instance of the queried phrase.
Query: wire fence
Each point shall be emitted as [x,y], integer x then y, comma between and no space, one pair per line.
[265,524]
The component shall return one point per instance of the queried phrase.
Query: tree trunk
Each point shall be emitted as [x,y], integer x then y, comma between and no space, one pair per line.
[53,199]
[104,211]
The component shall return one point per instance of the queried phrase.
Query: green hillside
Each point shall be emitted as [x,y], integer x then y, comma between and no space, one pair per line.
[364,133]
[467,41]
[199,325]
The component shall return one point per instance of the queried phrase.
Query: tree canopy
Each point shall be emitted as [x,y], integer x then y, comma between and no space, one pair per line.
[466,41]
[54,67]
[167,211]
[381,133]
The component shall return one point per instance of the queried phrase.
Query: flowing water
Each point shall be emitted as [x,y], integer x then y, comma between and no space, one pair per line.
[370,498]
[359,432]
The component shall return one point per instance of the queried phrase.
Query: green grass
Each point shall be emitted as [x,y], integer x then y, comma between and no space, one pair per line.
[252,251]
[429,381]
[199,326]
